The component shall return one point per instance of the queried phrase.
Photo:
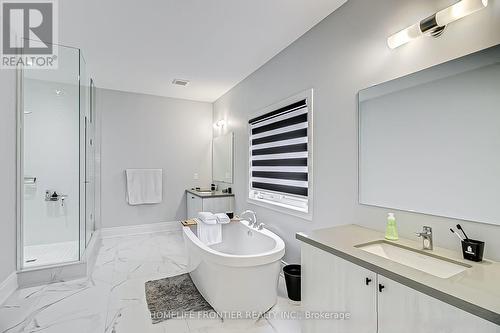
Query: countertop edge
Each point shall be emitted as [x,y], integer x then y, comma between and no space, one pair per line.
[211,195]
[437,294]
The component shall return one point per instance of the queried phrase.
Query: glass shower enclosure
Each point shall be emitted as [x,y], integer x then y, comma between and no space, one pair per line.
[56,161]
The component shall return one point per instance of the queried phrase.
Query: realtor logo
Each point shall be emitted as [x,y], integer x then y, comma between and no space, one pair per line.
[29,32]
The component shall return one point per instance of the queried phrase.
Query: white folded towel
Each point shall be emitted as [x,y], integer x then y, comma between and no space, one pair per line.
[222,218]
[144,186]
[209,234]
[207,217]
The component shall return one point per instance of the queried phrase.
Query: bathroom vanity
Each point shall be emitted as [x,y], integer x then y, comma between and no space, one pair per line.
[388,286]
[208,201]
[222,173]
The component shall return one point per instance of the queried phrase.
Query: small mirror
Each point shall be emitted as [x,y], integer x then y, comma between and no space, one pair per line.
[222,158]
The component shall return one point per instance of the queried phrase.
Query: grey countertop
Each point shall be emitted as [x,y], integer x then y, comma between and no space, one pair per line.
[216,194]
[476,290]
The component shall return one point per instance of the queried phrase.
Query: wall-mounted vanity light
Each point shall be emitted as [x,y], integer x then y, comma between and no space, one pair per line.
[435,24]
[220,123]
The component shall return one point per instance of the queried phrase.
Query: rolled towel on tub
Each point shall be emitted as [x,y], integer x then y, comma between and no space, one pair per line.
[207,217]
[222,218]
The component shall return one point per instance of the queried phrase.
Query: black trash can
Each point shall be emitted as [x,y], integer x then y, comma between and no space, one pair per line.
[292,280]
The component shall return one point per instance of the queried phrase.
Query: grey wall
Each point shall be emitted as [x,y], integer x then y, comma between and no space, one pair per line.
[343,54]
[145,131]
[7,173]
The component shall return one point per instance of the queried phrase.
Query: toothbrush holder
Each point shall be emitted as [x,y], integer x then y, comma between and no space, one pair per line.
[473,249]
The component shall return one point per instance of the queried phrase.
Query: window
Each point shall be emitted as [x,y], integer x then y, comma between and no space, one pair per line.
[280,156]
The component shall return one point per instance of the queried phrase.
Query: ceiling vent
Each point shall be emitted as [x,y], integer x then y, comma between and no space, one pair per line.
[180,82]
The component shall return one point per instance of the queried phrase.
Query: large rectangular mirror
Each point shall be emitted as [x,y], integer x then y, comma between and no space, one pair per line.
[222,158]
[430,142]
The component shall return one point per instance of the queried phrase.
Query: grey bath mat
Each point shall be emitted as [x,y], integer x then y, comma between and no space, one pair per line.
[173,297]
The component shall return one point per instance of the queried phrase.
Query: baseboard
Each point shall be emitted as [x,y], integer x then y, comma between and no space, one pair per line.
[8,286]
[140,229]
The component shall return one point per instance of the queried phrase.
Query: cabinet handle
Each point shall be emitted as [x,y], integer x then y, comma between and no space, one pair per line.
[367,281]
[380,287]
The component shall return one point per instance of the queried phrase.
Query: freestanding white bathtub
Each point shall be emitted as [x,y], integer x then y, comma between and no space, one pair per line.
[239,275]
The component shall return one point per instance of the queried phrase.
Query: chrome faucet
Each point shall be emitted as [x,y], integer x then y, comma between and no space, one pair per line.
[261,226]
[252,223]
[426,235]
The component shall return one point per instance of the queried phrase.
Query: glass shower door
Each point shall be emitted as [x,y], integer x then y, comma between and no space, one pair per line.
[51,162]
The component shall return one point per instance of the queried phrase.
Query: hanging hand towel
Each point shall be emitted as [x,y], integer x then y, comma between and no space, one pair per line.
[144,186]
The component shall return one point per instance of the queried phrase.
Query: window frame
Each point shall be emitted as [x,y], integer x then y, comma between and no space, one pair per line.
[277,206]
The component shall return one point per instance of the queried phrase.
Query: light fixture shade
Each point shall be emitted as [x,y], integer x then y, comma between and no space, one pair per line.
[220,123]
[459,10]
[434,24]
[404,36]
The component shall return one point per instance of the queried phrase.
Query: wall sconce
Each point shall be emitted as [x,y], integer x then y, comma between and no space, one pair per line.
[220,123]
[435,24]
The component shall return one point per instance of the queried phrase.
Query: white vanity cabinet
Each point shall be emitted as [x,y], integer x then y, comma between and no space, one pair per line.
[375,303]
[333,285]
[403,309]
[207,203]
[194,205]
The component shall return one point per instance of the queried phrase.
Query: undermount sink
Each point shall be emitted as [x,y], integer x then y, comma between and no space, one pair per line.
[423,261]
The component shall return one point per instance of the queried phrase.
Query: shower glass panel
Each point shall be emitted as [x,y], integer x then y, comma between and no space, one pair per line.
[55,105]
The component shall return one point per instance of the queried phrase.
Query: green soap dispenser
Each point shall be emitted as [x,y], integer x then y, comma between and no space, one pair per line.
[391,231]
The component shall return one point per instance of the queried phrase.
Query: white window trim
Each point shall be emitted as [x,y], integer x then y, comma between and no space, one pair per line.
[276,206]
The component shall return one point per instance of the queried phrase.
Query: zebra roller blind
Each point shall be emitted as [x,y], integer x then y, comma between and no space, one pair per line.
[279,151]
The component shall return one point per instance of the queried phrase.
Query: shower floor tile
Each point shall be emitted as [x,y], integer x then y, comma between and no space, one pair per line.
[47,254]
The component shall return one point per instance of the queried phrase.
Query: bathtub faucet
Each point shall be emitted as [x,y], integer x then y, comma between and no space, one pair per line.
[252,223]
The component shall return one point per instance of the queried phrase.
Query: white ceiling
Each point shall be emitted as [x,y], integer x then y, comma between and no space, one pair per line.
[142,45]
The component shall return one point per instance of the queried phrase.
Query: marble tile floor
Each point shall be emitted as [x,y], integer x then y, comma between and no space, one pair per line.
[112,299]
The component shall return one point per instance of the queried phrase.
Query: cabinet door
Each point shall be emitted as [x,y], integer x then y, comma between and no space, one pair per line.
[333,285]
[217,205]
[194,205]
[402,309]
